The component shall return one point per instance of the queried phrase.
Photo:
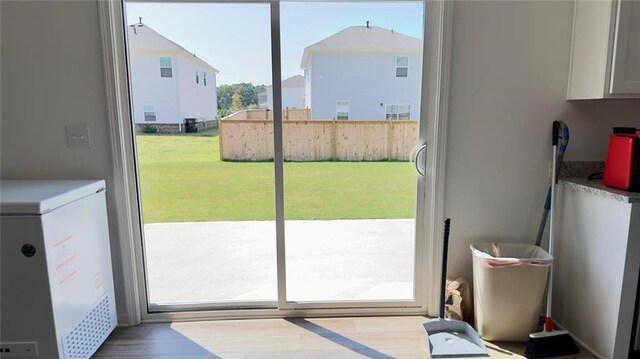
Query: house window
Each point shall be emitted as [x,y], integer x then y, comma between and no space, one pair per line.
[197,77]
[398,112]
[165,67]
[204,78]
[342,110]
[402,66]
[149,113]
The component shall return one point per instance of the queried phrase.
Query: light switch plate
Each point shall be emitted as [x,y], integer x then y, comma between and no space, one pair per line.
[78,136]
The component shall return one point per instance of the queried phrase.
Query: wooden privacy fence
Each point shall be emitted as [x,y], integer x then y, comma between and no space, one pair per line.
[319,140]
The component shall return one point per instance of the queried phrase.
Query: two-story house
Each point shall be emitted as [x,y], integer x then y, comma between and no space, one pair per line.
[169,84]
[363,73]
[292,94]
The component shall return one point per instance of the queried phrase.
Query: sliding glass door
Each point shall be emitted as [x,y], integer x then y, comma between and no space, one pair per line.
[208,210]
[277,153]
[349,184]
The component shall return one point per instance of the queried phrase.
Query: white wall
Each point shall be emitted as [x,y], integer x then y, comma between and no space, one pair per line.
[196,99]
[509,80]
[52,75]
[147,87]
[269,102]
[174,98]
[366,81]
[293,97]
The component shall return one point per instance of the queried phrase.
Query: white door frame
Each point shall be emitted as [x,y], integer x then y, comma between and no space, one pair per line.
[436,61]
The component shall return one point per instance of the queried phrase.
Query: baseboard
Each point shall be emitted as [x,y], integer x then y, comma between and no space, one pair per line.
[581,344]
[123,320]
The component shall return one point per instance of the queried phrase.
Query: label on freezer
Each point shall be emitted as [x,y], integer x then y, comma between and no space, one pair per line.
[65,262]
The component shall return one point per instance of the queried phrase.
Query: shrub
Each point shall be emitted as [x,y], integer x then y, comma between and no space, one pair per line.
[149,129]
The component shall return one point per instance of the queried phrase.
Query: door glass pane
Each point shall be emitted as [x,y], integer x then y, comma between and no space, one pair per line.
[205,161]
[350,190]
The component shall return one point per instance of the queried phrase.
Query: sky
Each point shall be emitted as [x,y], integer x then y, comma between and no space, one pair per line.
[236,38]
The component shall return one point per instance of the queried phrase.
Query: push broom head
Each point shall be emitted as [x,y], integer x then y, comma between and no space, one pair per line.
[550,343]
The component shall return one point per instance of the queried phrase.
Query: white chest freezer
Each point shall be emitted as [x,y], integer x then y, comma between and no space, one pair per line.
[57,298]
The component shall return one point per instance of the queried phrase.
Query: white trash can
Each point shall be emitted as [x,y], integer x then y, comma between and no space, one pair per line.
[509,290]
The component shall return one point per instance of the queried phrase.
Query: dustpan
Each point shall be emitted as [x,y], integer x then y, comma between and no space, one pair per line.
[447,337]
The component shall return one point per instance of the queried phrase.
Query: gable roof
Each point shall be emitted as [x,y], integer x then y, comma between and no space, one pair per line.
[293,82]
[363,39]
[296,81]
[143,39]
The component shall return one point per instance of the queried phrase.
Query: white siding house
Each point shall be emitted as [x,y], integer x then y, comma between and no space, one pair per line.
[168,83]
[363,73]
[292,94]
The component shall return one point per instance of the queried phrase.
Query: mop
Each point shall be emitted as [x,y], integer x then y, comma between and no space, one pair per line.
[550,342]
[564,133]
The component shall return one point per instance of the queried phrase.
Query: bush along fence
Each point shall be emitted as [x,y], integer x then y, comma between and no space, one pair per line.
[172,127]
[318,140]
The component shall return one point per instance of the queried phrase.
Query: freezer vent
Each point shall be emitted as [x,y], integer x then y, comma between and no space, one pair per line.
[85,339]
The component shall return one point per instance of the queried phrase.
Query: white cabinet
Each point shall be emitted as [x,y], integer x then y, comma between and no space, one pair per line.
[597,266]
[605,50]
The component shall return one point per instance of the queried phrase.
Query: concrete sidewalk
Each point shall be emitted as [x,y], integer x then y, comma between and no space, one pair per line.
[366,259]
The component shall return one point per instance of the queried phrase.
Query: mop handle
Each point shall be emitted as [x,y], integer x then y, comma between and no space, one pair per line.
[445,251]
[556,134]
[563,130]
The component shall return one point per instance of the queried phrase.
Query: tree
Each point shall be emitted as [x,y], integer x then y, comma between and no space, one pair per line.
[224,97]
[224,112]
[248,93]
[236,102]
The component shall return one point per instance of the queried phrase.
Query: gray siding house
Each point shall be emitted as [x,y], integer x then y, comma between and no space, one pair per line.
[292,94]
[363,73]
[168,83]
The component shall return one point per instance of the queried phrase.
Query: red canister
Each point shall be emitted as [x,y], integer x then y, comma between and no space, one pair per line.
[622,168]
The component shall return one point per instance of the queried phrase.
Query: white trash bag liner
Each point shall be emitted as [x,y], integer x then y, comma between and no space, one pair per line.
[513,254]
[508,287]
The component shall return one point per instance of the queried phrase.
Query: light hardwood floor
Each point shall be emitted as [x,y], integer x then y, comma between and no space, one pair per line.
[358,337]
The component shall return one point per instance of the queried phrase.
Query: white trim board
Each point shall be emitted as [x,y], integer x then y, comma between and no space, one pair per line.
[437,77]
[122,144]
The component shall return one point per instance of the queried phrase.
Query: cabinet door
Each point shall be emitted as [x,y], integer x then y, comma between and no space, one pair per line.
[626,62]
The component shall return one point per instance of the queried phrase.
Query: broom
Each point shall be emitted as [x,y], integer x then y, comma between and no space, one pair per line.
[551,342]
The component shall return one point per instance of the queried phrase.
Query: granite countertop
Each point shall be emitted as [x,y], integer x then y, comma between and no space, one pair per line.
[574,174]
[599,189]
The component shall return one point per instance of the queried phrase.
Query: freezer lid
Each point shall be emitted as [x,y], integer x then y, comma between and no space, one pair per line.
[39,197]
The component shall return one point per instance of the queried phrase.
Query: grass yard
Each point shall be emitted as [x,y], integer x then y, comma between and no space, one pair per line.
[183,180]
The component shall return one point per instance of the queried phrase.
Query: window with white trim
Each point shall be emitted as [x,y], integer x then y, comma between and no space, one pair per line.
[402,66]
[197,77]
[149,112]
[204,78]
[166,70]
[398,112]
[342,110]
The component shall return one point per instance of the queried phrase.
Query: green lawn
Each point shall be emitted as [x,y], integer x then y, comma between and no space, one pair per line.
[183,180]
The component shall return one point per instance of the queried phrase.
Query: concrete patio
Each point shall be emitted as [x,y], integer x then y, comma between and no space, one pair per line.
[222,262]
